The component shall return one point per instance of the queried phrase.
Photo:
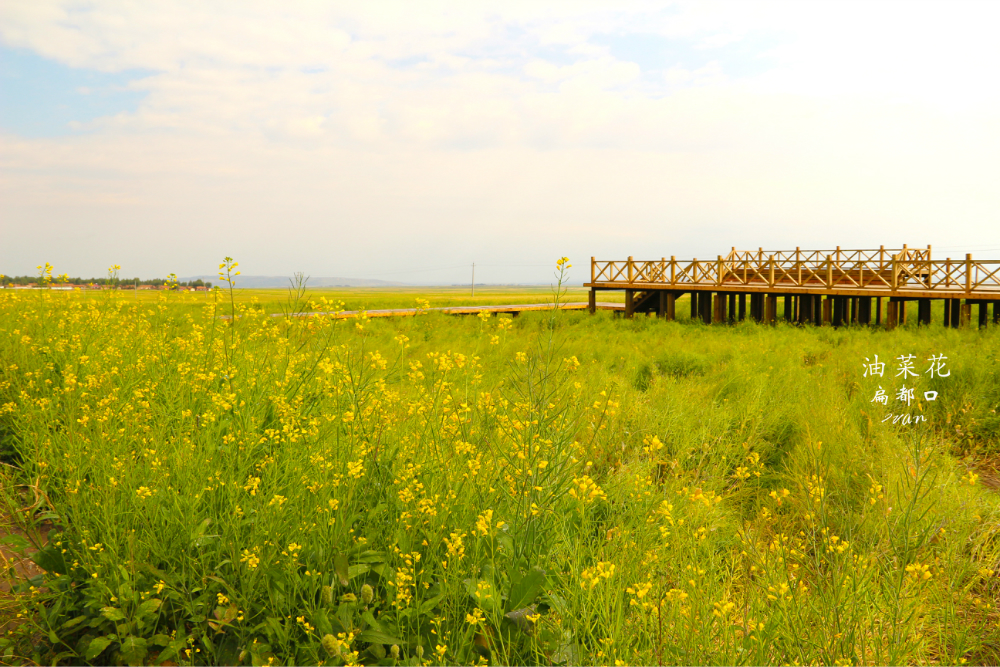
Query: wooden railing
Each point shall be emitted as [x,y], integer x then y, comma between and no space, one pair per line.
[898,270]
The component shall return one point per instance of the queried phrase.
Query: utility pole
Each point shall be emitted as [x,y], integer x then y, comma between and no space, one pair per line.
[473,279]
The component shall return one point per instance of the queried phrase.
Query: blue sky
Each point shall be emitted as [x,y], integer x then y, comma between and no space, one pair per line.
[364,140]
[42,97]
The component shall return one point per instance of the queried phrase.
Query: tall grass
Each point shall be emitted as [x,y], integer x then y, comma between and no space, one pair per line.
[556,488]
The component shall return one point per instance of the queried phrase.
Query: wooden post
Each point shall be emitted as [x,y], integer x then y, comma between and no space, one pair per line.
[770,270]
[895,278]
[996,312]
[878,311]
[694,305]
[924,311]
[838,311]
[892,312]
[829,272]
[983,314]
[718,271]
[661,306]
[743,307]
[770,306]
[673,269]
[817,307]
[968,273]
[827,310]
[719,309]
[592,300]
[947,312]
[593,269]
[902,312]
[965,315]
[705,301]
[865,305]
[788,308]
[854,310]
[629,299]
[631,271]
[671,303]
[732,308]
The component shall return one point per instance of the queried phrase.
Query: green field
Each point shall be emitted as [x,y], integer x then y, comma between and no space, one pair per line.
[556,488]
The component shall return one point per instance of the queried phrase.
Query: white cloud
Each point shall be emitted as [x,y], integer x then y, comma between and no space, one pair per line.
[342,138]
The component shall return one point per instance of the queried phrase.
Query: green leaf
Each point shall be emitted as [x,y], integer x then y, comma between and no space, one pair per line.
[149,607]
[97,646]
[428,605]
[485,597]
[376,637]
[73,622]
[50,559]
[173,649]
[134,650]
[357,570]
[526,590]
[16,542]
[370,557]
[160,640]
[112,614]
[341,568]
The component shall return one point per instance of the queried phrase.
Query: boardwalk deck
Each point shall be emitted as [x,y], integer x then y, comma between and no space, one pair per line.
[820,286]
[508,309]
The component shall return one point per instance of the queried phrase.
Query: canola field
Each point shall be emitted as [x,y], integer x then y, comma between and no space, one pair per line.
[202,483]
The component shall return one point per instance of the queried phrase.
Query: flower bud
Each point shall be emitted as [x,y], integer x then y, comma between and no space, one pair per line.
[331,645]
[348,597]
[367,594]
[327,595]
[394,652]
[420,651]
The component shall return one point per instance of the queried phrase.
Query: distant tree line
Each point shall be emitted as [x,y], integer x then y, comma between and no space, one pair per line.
[114,282]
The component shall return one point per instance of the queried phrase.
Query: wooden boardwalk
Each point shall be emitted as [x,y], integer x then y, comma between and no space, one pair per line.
[510,309]
[835,287]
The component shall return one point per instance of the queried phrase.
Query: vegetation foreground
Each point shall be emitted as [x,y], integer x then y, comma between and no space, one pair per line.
[556,488]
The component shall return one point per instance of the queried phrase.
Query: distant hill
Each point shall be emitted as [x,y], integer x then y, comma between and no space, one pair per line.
[283,281]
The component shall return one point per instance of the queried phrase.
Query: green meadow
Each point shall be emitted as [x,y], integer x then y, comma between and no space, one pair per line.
[555,488]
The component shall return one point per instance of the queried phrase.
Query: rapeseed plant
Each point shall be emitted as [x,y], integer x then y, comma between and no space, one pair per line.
[221,486]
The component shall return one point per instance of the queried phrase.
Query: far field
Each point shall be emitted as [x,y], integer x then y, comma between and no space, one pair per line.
[555,488]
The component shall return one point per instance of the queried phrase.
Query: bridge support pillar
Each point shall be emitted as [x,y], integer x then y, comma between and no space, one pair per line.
[965,314]
[902,312]
[865,310]
[705,304]
[983,314]
[924,311]
[629,303]
[592,301]
[694,305]
[743,308]
[719,310]
[891,315]
[878,311]
[996,312]
[770,308]
[732,308]
[789,307]
[670,307]
[828,310]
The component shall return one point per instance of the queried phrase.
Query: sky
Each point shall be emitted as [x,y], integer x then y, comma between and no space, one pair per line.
[407,141]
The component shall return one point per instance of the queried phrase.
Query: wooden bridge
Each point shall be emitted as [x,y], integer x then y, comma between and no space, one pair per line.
[837,287]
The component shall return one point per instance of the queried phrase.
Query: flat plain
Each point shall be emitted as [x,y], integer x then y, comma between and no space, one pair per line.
[556,488]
